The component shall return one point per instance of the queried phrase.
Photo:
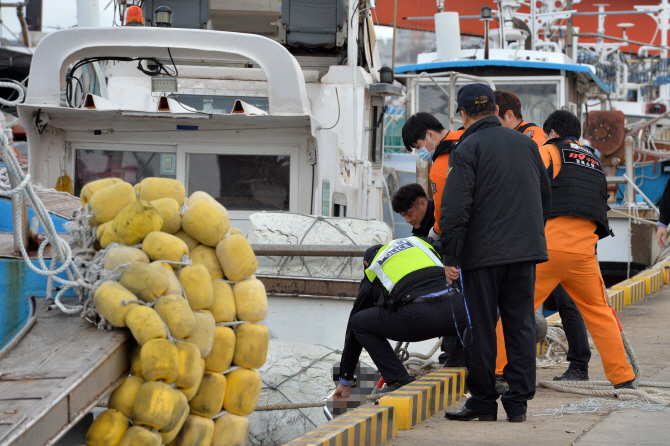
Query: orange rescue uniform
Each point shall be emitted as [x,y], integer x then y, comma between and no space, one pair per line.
[571,244]
[533,132]
[438,174]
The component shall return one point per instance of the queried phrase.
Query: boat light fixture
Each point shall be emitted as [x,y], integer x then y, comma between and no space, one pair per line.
[134,16]
[163,17]
[487,13]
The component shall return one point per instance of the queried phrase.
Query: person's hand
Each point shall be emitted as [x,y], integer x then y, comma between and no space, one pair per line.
[342,392]
[452,273]
[662,237]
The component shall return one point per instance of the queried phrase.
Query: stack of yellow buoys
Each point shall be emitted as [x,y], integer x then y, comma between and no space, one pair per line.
[193,379]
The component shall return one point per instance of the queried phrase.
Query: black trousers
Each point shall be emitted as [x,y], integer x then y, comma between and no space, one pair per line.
[452,354]
[579,350]
[413,322]
[509,288]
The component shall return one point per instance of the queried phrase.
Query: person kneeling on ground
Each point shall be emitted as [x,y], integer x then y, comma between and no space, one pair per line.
[404,297]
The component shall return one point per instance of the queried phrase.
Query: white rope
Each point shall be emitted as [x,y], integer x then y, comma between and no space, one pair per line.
[14,86]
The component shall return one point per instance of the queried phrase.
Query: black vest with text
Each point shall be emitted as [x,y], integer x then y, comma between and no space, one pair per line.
[580,188]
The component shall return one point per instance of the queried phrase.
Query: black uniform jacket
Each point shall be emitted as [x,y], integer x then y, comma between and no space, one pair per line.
[497,185]
[664,205]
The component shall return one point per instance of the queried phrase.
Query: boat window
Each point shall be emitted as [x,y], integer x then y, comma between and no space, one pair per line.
[221,104]
[132,167]
[242,182]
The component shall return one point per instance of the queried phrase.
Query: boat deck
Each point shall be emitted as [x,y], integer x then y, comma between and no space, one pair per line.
[53,377]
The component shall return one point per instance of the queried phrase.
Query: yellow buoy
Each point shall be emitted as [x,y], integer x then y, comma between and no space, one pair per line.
[190,370]
[223,348]
[164,246]
[106,235]
[251,346]
[199,196]
[90,188]
[120,255]
[169,210]
[108,429]
[205,223]
[180,405]
[203,335]
[197,431]
[236,257]
[230,430]
[177,315]
[111,300]
[171,435]
[145,324]
[174,287]
[135,221]
[206,256]
[156,188]
[223,304]
[154,404]
[190,392]
[145,282]
[160,361]
[190,241]
[197,286]
[233,231]
[251,301]
[123,397]
[209,399]
[139,436]
[108,202]
[243,390]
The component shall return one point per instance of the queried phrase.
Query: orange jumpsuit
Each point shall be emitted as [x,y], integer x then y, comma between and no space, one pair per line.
[438,174]
[533,132]
[571,244]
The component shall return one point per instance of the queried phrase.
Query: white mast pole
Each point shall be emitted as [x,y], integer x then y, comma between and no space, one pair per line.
[88,13]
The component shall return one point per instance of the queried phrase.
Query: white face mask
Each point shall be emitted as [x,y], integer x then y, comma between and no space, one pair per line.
[425,154]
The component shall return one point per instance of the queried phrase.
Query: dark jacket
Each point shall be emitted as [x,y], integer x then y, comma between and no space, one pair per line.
[428,221]
[497,184]
[664,205]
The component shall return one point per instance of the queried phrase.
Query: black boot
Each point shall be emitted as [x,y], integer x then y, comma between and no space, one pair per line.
[573,375]
[397,384]
[625,385]
[466,414]
[501,385]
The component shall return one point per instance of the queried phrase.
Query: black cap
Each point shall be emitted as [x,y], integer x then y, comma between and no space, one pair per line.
[467,94]
[370,253]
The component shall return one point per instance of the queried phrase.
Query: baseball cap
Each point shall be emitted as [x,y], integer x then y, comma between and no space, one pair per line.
[370,253]
[467,94]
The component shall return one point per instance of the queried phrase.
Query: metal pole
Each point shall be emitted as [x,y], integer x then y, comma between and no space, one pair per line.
[24,26]
[568,39]
[88,13]
[630,169]
[486,39]
[395,25]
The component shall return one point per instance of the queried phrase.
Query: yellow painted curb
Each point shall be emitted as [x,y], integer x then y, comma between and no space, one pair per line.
[618,298]
[421,399]
[653,280]
[363,426]
[634,290]
[665,267]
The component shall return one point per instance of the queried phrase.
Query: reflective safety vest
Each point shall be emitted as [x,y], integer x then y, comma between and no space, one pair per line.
[403,262]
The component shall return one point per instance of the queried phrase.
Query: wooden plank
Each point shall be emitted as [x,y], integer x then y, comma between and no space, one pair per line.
[59,203]
[27,389]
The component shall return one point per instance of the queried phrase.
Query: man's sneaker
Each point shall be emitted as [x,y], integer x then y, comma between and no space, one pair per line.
[501,386]
[573,375]
[625,385]
[396,385]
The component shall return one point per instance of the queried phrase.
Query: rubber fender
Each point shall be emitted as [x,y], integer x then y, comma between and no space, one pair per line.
[90,188]
[145,282]
[164,246]
[169,436]
[242,391]
[540,327]
[169,210]
[236,257]
[200,196]
[174,287]
[135,221]
[203,335]
[124,396]
[145,324]
[153,188]
[109,299]
[208,401]
[160,361]
[251,301]
[223,304]
[107,429]
[197,285]
[206,256]
[106,235]
[154,404]
[177,315]
[190,241]
[251,346]
[197,431]
[190,370]
[108,202]
[191,391]
[223,348]
[230,430]
[139,436]
[180,405]
[205,223]
[120,255]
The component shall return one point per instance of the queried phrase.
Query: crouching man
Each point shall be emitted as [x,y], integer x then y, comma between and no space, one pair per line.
[403,297]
